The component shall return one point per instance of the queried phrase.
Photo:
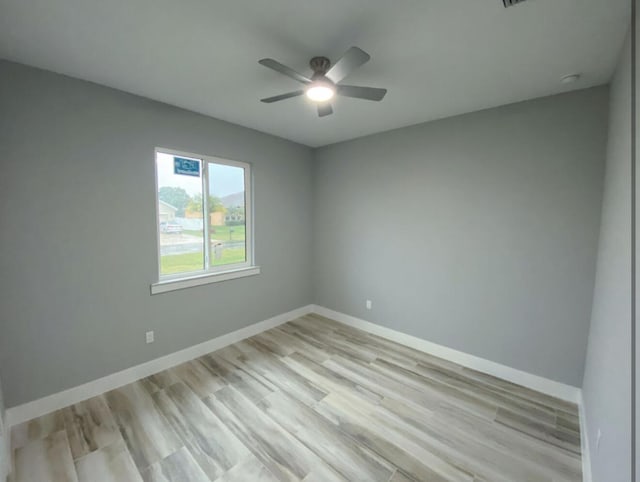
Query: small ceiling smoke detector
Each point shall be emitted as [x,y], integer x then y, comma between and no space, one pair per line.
[570,79]
[509,3]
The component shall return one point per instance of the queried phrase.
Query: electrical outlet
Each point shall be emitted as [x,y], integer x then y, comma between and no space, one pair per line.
[598,438]
[150,337]
[368,304]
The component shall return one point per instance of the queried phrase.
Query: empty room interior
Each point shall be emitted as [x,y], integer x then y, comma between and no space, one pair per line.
[317,241]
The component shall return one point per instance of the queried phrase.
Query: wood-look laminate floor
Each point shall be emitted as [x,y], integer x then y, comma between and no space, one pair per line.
[311,400]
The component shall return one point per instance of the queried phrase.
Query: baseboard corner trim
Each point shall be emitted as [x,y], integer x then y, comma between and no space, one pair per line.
[529,380]
[584,442]
[50,403]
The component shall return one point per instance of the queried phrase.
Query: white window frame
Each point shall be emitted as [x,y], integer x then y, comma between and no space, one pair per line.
[216,273]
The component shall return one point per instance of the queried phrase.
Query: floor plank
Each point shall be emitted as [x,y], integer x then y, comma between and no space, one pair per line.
[145,431]
[210,442]
[90,426]
[250,469]
[177,467]
[45,459]
[352,461]
[111,463]
[281,453]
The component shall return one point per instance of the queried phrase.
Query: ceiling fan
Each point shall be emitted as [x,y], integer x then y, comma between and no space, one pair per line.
[324,83]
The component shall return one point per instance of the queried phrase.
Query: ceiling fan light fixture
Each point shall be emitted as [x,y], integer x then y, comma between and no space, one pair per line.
[320,92]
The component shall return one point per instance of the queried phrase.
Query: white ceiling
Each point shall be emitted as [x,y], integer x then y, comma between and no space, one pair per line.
[437,57]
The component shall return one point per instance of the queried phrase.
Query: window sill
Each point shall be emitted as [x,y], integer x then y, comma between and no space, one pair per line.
[203,279]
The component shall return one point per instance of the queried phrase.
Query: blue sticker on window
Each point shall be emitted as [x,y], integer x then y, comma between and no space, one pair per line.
[186,167]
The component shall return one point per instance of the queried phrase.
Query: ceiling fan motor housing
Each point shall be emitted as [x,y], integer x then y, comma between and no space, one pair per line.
[319,65]
[510,3]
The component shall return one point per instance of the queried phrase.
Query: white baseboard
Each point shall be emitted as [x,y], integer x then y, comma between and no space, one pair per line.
[584,442]
[535,382]
[48,404]
[42,406]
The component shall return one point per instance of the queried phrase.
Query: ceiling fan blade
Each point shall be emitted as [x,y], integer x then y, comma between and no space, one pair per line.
[288,95]
[351,60]
[283,69]
[324,109]
[367,93]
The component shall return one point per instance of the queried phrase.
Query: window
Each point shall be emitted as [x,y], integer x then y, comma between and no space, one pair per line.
[203,219]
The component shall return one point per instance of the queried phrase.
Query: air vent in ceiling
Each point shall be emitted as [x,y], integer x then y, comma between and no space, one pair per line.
[509,3]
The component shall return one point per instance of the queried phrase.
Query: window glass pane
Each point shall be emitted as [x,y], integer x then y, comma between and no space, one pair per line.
[227,231]
[180,213]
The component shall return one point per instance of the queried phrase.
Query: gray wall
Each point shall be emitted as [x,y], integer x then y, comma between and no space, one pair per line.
[477,232]
[78,237]
[607,378]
